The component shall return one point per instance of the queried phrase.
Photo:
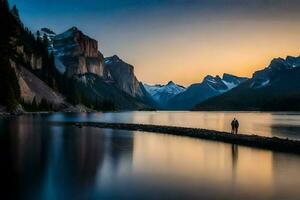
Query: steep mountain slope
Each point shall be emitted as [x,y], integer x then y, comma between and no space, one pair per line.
[210,87]
[32,87]
[26,68]
[161,94]
[276,87]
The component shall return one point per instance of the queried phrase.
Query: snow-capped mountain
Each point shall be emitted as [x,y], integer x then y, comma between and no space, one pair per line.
[264,77]
[48,33]
[210,87]
[161,94]
[277,87]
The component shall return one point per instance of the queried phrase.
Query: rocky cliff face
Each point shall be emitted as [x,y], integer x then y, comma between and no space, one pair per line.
[36,62]
[122,74]
[78,53]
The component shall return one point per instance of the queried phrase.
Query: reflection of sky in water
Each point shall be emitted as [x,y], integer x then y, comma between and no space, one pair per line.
[64,162]
[266,124]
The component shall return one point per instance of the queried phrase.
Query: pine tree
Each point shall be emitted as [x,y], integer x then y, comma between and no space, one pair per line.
[9,87]
[38,34]
[15,13]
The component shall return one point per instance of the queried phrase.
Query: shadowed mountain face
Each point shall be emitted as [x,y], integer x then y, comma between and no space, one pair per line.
[122,74]
[210,87]
[276,87]
[96,91]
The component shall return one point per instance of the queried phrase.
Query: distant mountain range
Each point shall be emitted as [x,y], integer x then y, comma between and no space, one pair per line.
[275,88]
[67,72]
[199,92]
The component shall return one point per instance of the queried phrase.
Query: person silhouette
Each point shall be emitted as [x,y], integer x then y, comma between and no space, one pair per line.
[236,126]
[233,126]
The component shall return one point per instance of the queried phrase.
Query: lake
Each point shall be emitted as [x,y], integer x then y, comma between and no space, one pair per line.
[284,125]
[42,160]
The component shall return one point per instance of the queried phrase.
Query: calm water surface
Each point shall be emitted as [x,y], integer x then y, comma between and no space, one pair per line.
[40,160]
[267,124]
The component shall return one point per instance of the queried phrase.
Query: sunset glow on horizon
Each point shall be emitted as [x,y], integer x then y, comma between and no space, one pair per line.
[179,40]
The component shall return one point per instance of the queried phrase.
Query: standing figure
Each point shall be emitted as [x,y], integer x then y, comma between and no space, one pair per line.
[236,126]
[233,126]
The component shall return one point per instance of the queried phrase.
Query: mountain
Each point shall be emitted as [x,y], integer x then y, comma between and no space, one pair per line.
[46,33]
[27,70]
[161,94]
[77,57]
[210,87]
[275,88]
[32,88]
[122,74]
[49,71]
[76,53]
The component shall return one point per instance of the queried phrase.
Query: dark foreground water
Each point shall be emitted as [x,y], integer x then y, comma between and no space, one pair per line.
[40,160]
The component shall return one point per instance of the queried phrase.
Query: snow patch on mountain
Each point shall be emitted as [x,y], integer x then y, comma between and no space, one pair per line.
[230,85]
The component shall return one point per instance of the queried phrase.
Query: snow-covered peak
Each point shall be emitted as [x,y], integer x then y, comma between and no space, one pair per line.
[46,32]
[112,59]
[293,61]
[224,84]
[162,93]
[71,33]
[263,78]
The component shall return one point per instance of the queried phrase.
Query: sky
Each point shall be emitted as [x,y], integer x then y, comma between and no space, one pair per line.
[178,40]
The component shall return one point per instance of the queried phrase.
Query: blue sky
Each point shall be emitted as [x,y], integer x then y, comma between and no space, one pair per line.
[164,39]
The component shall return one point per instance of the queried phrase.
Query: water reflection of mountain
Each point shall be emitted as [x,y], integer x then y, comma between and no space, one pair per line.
[77,158]
[41,161]
[74,157]
[23,157]
[46,161]
[119,146]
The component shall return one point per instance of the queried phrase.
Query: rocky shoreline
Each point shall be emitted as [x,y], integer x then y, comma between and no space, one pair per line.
[261,142]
